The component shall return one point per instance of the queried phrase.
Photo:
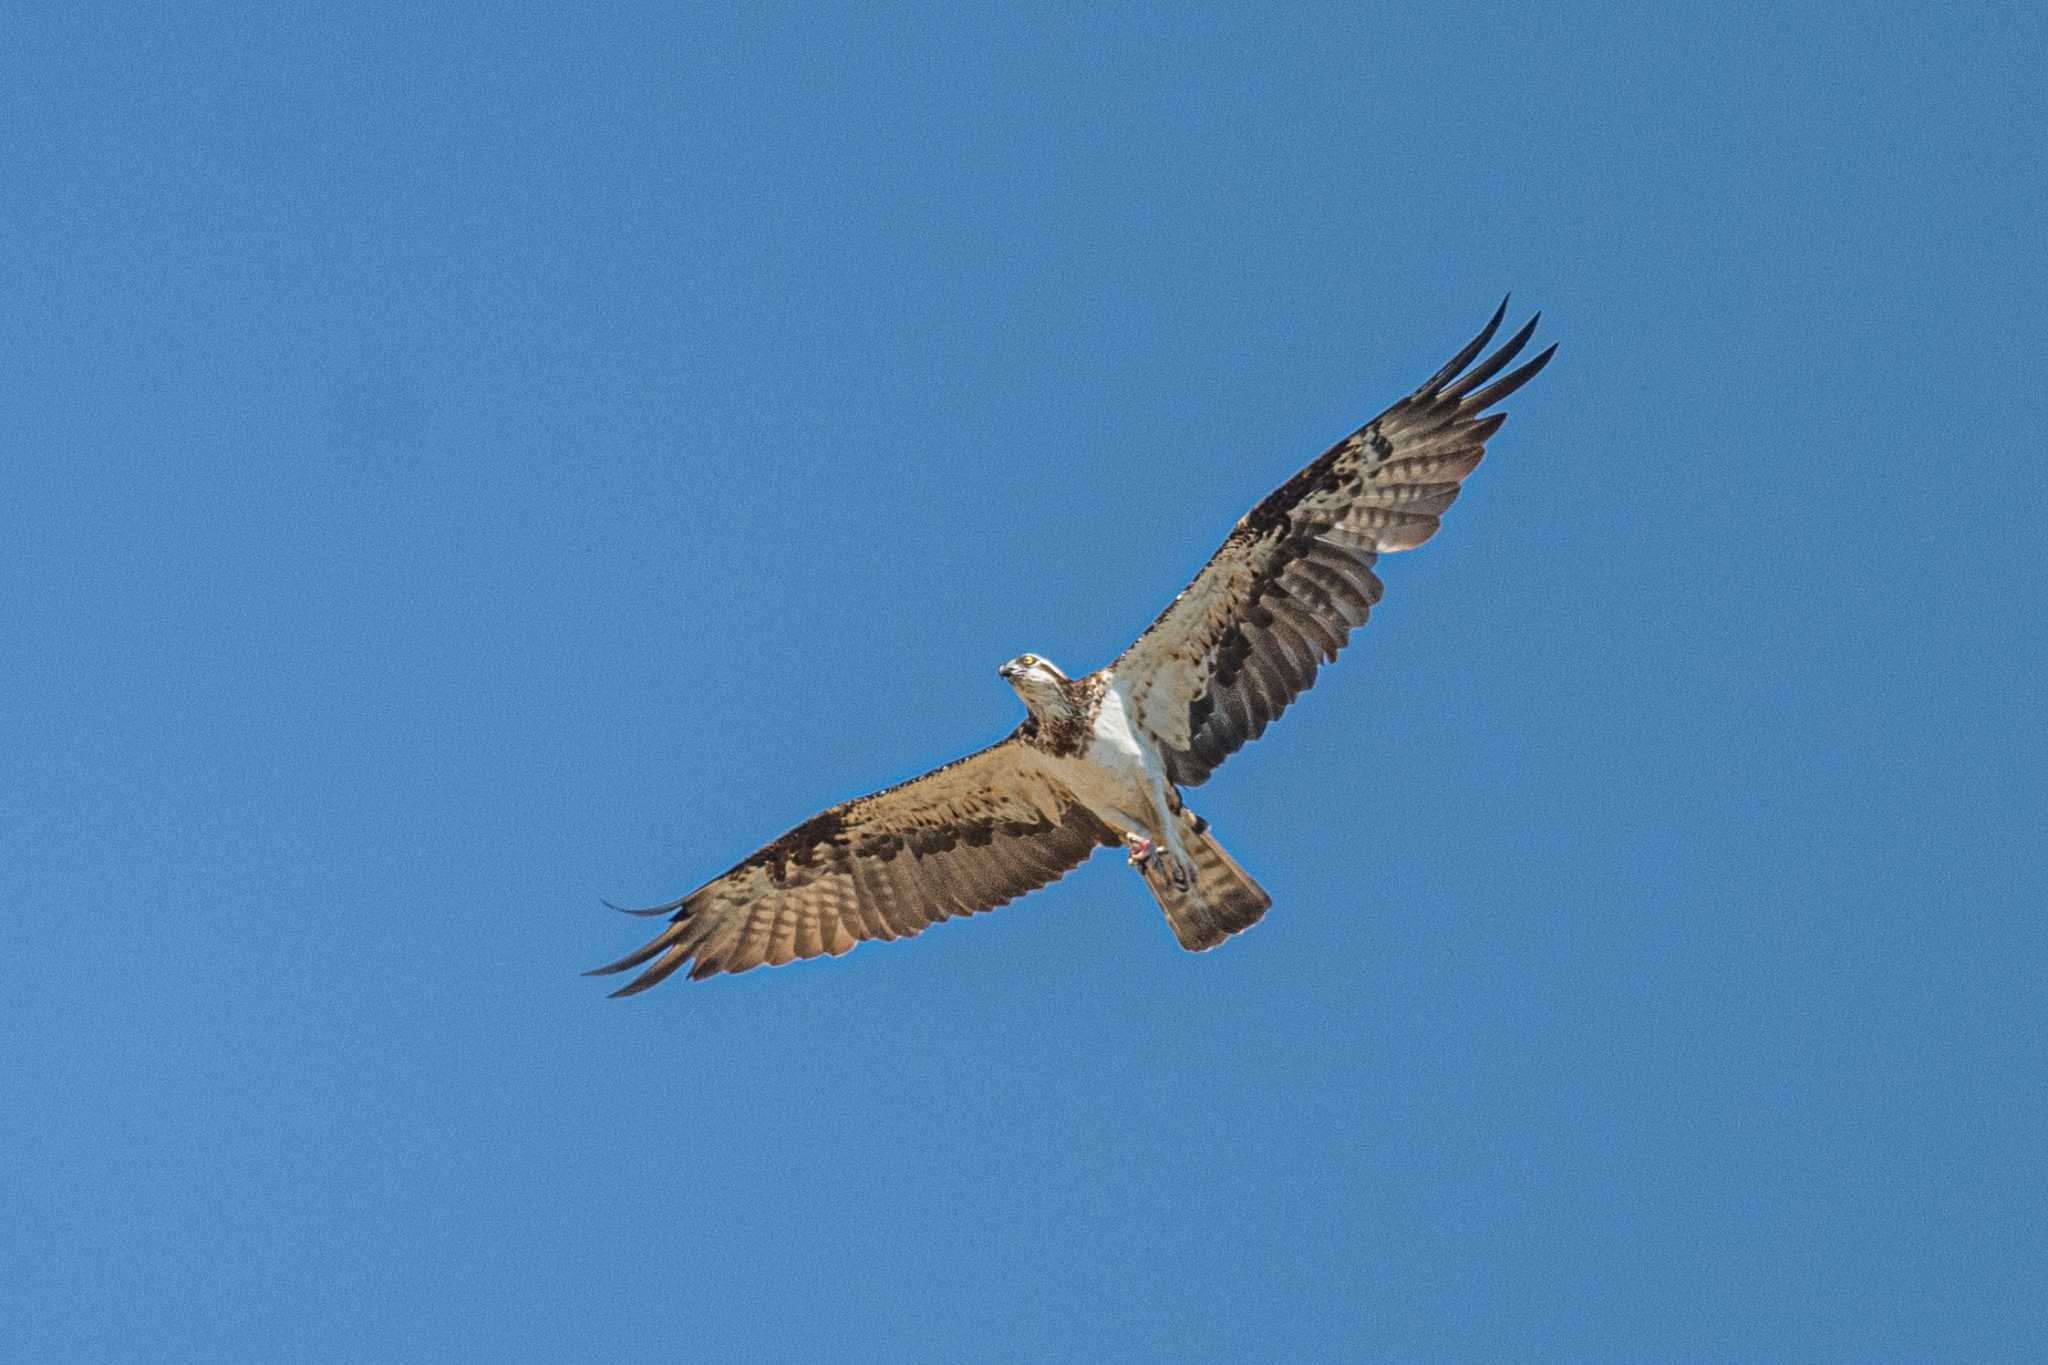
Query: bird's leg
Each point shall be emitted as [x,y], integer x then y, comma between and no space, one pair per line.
[1180,870]
[1173,858]
[1149,857]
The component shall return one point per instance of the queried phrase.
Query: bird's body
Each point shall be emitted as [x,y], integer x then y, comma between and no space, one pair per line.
[1101,760]
[1119,774]
[1087,744]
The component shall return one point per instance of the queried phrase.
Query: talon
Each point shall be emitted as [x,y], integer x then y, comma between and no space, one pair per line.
[1141,849]
[1183,875]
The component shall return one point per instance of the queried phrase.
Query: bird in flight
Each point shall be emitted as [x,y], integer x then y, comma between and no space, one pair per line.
[1101,761]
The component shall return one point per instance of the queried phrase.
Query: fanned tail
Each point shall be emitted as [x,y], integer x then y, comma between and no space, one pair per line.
[1221,900]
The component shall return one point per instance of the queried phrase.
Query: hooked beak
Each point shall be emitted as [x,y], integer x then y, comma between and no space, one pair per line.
[1007,672]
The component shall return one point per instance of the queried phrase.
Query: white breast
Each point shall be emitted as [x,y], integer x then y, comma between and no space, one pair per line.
[1116,744]
[1119,774]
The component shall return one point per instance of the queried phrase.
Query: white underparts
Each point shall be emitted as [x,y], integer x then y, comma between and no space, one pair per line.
[1120,776]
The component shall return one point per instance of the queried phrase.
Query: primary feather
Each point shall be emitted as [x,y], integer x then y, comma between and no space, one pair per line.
[1295,576]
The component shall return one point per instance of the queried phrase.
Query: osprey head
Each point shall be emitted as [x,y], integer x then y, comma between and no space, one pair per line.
[1038,681]
[1026,669]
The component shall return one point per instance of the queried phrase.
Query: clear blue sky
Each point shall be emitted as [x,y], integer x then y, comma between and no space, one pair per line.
[462,465]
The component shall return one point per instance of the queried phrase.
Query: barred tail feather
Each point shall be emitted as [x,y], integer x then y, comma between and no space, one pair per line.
[1221,900]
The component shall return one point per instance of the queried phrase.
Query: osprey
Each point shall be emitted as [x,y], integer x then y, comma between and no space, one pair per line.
[1101,761]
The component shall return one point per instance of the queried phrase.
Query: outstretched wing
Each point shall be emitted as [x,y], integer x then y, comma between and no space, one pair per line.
[1295,577]
[964,838]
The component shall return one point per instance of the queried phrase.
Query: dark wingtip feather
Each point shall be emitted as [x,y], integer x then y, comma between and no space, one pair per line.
[662,941]
[1483,429]
[1487,397]
[1472,348]
[632,959]
[668,909]
[655,975]
[1494,363]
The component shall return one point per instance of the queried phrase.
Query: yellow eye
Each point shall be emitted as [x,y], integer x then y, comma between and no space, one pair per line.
[1029,661]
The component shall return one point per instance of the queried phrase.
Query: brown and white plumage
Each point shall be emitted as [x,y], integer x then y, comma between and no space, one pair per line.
[1100,759]
[1295,577]
[963,838]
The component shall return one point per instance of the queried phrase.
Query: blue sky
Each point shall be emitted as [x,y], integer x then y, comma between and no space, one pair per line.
[463,463]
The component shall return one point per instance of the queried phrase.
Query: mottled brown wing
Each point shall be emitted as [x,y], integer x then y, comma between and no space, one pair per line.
[1295,577]
[964,838]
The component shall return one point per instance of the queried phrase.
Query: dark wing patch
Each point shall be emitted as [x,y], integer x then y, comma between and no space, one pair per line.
[964,838]
[1295,576]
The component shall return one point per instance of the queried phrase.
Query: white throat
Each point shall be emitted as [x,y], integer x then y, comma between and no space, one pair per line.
[1044,695]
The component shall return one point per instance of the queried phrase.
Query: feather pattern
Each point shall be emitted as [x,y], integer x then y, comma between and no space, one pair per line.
[966,837]
[1275,603]
[1295,576]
